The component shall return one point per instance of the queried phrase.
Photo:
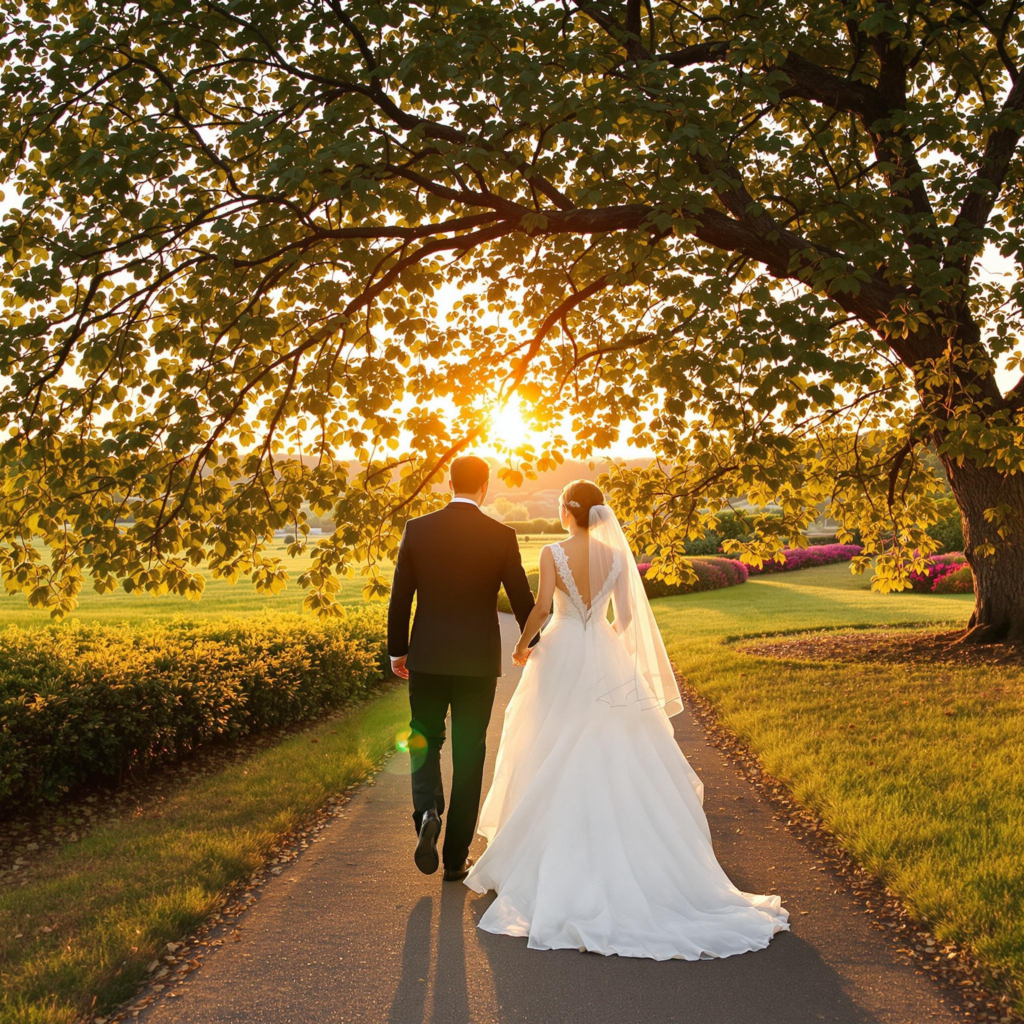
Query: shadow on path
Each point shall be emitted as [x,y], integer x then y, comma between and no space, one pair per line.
[788,982]
[411,995]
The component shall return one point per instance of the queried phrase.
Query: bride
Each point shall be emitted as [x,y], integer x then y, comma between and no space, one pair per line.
[596,834]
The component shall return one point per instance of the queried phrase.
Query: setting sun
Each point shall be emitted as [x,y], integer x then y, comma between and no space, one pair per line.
[508,428]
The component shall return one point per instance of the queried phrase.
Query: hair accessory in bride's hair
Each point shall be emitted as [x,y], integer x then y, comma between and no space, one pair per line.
[575,504]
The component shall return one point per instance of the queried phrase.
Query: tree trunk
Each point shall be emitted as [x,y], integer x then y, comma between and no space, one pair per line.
[999,578]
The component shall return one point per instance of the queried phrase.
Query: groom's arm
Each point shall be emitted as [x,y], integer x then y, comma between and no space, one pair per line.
[517,586]
[403,587]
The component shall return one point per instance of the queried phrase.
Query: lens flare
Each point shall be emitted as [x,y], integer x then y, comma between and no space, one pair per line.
[417,747]
[400,765]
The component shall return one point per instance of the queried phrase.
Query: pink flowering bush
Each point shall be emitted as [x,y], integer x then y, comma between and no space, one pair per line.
[805,558]
[712,574]
[960,581]
[735,570]
[937,569]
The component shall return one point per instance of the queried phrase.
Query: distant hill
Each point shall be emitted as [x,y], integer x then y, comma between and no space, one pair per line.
[540,496]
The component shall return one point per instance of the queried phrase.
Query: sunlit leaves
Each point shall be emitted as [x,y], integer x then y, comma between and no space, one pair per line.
[288,256]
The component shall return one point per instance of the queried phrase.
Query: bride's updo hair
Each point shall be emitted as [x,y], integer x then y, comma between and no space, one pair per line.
[579,497]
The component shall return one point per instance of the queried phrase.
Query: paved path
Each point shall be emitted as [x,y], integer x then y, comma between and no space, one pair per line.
[351,932]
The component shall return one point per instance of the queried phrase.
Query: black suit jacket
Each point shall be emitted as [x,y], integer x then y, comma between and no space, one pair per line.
[454,561]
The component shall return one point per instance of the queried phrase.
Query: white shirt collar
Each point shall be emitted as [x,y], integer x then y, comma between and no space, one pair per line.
[468,501]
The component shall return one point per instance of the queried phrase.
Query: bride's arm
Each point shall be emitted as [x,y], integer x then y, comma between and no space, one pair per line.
[545,592]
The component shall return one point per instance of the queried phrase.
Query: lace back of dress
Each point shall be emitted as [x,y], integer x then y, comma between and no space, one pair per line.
[599,600]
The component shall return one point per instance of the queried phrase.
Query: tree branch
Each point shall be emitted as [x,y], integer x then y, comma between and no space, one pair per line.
[569,303]
[812,82]
[991,173]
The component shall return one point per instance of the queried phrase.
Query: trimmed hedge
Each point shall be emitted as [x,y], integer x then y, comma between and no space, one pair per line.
[730,526]
[806,558]
[821,539]
[503,602]
[85,704]
[522,526]
[712,574]
[959,581]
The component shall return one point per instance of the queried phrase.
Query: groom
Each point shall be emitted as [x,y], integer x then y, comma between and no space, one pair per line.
[454,561]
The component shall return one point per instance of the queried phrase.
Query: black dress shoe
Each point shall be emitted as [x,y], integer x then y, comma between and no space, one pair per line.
[458,874]
[426,846]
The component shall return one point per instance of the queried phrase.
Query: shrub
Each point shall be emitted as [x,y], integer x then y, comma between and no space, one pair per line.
[522,526]
[735,570]
[819,539]
[83,704]
[712,574]
[959,581]
[950,558]
[805,558]
[949,530]
[936,569]
[709,544]
[503,603]
[730,526]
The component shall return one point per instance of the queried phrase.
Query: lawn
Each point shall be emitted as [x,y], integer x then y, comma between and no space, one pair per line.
[219,597]
[918,767]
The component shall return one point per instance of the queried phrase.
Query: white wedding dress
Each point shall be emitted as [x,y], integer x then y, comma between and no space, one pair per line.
[597,838]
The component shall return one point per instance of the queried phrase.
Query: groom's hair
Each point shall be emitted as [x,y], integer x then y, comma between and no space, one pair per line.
[468,474]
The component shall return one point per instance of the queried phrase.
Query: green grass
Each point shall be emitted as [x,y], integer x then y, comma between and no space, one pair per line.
[919,769]
[218,599]
[129,886]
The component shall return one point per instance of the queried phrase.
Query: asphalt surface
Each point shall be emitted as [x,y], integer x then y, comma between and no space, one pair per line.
[351,932]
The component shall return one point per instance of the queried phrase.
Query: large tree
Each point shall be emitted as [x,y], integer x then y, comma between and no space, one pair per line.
[248,242]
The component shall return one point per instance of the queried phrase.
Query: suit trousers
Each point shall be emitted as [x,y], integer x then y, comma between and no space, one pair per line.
[471,699]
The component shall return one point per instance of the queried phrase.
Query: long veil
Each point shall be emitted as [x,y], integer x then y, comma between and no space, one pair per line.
[653,682]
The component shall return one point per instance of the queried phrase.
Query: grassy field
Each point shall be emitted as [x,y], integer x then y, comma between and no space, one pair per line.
[919,767]
[94,913]
[219,598]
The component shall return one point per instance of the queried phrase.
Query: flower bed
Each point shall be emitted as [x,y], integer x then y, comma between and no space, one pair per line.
[806,558]
[712,574]
[82,704]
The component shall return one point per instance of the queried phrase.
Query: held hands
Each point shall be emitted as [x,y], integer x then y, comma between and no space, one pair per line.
[520,654]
